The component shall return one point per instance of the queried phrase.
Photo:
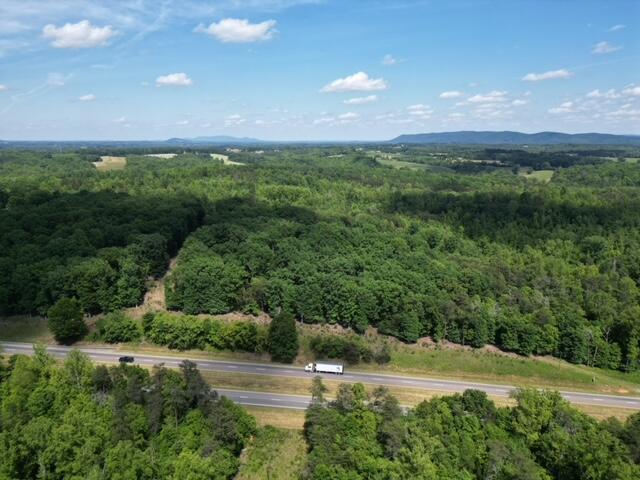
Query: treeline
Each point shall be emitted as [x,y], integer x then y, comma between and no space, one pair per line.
[357,436]
[544,160]
[97,422]
[97,247]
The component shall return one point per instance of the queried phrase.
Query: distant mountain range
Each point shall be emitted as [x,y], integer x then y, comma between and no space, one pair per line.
[221,139]
[445,138]
[517,138]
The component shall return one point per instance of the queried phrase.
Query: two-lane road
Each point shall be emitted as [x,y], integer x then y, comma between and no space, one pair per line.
[293,401]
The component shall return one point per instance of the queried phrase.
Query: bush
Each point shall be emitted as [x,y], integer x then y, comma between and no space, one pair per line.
[283,338]
[351,349]
[116,328]
[183,332]
[382,355]
[65,321]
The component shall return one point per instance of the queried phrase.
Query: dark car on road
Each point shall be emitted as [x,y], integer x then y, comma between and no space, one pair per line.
[126,359]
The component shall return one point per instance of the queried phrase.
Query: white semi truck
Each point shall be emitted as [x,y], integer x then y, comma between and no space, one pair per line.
[336,368]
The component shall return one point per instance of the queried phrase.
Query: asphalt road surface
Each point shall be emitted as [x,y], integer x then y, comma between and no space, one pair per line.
[300,402]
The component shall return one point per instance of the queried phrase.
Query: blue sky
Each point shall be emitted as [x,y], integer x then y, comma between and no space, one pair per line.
[315,70]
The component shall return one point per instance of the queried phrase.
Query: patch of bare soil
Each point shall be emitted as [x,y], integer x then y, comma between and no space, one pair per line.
[154,299]
[262,319]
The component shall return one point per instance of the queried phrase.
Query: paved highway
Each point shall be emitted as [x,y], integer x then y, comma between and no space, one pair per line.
[292,401]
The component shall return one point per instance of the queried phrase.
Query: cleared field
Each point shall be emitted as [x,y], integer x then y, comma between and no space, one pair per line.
[161,155]
[540,175]
[225,159]
[274,453]
[107,163]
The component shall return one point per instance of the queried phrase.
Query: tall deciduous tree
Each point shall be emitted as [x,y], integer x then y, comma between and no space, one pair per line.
[283,338]
[65,320]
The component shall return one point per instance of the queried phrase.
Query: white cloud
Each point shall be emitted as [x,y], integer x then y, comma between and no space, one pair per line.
[57,79]
[173,80]
[389,60]
[182,123]
[234,120]
[495,96]
[236,30]
[348,116]
[120,120]
[632,90]
[89,97]
[3,87]
[605,47]
[78,35]
[332,121]
[357,82]
[518,102]
[566,107]
[456,115]
[420,110]
[615,28]
[609,94]
[361,100]
[550,75]
[451,94]
[323,120]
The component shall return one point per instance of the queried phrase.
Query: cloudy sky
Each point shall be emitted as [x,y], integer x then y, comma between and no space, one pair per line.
[316,69]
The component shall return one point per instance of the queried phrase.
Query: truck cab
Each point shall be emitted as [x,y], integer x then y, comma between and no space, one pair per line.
[309,367]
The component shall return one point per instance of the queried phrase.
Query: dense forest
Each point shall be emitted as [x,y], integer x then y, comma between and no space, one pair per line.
[80,421]
[393,238]
[465,437]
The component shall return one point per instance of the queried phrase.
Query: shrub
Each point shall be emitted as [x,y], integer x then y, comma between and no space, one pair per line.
[181,332]
[351,349]
[116,328]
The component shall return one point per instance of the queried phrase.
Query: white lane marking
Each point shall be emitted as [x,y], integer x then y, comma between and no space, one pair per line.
[261,369]
[275,399]
[233,366]
[408,381]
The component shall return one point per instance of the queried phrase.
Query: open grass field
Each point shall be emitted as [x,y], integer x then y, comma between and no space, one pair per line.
[225,159]
[540,175]
[107,163]
[274,453]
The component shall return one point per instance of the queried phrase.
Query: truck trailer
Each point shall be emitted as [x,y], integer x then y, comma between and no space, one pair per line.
[324,367]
